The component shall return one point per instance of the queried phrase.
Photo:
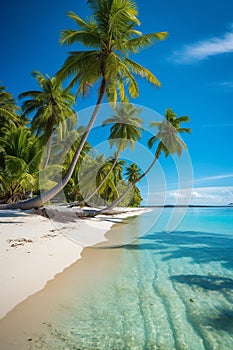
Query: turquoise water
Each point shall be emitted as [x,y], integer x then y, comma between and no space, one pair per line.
[166,291]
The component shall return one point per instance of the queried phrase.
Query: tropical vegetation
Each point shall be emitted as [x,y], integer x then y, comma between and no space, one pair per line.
[44,148]
[169,143]
[51,105]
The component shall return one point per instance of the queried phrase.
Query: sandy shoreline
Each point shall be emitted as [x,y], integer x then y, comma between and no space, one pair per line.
[34,249]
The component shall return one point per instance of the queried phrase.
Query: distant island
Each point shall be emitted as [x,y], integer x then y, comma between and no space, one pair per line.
[189,206]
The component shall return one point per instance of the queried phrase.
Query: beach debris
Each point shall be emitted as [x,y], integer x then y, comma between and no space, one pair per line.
[191,300]
[14,243]
[64,214]
[50,235]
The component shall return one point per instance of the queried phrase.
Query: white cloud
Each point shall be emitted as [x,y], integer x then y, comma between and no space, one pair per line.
[226,125]
[204,49]
[227,84]
[205,195]
[195,194]
[198,195]
[215,177]
[221,86]
[177,195]
[212,195]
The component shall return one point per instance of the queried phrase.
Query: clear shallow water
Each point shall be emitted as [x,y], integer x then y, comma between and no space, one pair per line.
[166,291]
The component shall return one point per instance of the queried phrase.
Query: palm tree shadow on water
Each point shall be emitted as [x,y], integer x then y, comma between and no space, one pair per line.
[222,319]
[209,282]
[200,247]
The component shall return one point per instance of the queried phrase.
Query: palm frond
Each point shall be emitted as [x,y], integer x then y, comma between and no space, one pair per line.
[114,61]
[89,39]
[153,123]
[80,22]
[136,44]
[15,165]
[79,63]
[10,114]
[185,130]
[32,93]
[152,141]
[142,72]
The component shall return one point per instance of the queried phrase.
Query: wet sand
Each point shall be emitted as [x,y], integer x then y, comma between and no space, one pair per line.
[23,327]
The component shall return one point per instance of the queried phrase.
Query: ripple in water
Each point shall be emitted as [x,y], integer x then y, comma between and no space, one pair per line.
[167,291]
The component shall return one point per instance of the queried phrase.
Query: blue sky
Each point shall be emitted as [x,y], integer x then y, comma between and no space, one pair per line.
[194,65]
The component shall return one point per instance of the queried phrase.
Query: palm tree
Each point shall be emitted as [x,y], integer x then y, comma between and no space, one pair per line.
[132,174]
[108,177]
[126,126]
[52,106]
[118,169]
[8,111]
[112,35]
[106,187]
[20,155]
[72,189]
[125,130]
[169,143]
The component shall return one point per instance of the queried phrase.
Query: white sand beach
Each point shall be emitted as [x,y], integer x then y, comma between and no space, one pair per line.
[34,249]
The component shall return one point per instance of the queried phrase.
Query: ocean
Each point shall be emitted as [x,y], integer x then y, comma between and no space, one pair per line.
[163,290]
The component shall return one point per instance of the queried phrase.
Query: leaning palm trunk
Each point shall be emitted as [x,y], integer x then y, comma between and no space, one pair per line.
[39,201]
[86,199]
[118,200]
[48,152]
